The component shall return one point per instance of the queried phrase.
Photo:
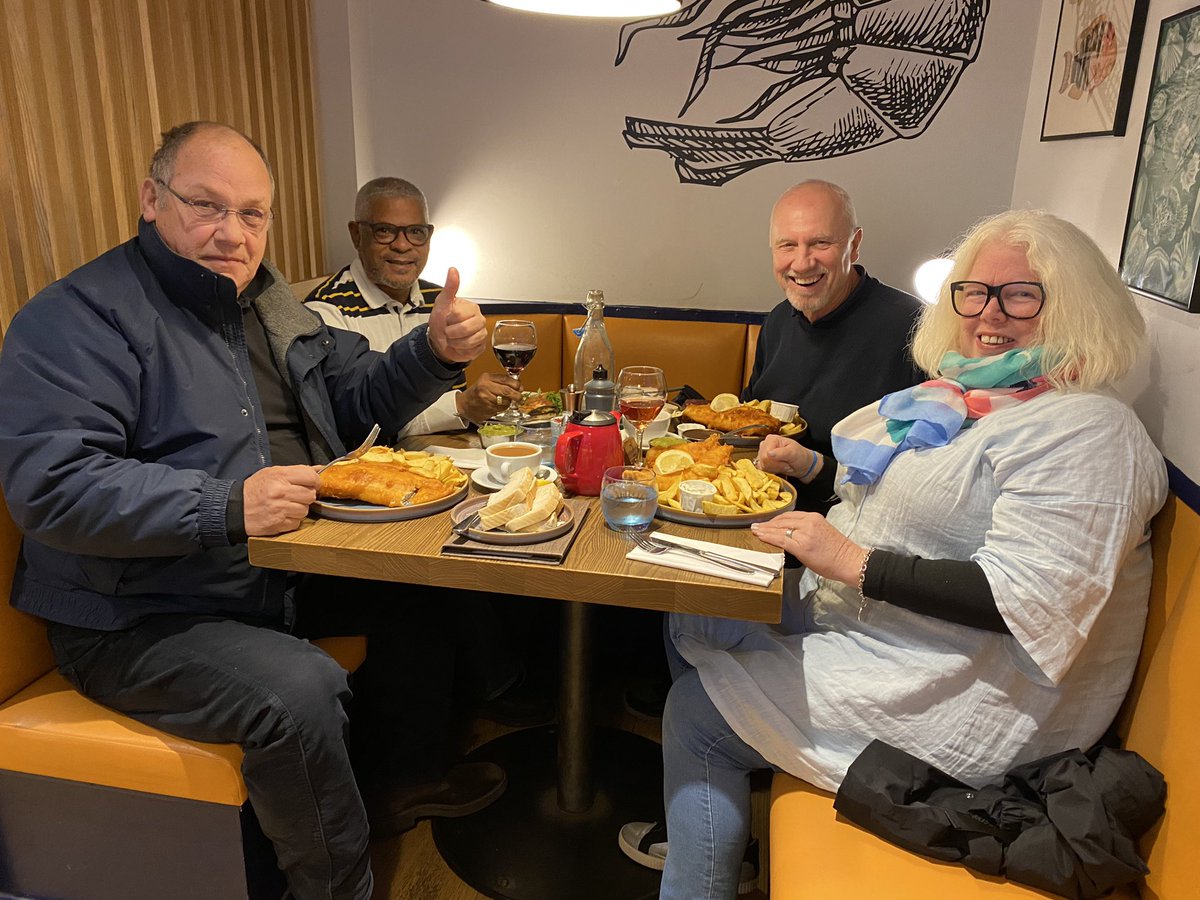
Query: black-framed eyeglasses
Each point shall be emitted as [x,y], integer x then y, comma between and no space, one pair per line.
[253,219]
[1017,299]
[386,232]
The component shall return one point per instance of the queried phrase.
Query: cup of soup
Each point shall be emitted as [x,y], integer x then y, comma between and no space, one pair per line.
[506,458]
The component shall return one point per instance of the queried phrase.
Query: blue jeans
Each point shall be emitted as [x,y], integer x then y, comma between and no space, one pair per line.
[706,773]
[286,703]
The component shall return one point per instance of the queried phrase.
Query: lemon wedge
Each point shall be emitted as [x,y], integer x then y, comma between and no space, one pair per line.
[723,402]
[671,461]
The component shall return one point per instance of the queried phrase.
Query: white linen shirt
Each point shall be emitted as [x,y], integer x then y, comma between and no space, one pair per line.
[1053,499]
[382,331]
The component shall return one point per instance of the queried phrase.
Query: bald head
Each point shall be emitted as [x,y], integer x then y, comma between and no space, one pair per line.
[814,245]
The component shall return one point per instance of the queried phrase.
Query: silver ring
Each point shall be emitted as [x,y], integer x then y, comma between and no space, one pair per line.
[787,533]
[499,399]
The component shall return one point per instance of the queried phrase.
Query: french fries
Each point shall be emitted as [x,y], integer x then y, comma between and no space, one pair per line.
[421,462]
[741,489]
[788,428]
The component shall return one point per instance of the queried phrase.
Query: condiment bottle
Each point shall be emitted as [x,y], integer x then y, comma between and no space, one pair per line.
[595,349]
[600,393]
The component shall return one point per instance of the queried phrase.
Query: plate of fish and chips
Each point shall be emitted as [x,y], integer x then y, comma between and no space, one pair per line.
[527,510]
[744,494]
[726,413]
[385,485]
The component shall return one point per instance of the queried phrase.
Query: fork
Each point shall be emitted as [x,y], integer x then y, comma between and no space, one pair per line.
[656,546]
[357,451]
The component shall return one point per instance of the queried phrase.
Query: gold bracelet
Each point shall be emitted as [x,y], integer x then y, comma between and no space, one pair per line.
[862,577]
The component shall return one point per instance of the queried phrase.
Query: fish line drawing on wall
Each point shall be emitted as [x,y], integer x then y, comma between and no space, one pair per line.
[849,75]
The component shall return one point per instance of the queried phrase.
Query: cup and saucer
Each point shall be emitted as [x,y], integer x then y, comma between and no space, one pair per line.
[485,481]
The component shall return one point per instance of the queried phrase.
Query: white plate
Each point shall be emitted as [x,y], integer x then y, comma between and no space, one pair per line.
[565,520]
[358,511]
[741,520]
[482,478]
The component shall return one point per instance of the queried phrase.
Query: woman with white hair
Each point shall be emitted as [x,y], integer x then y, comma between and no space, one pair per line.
[978,596]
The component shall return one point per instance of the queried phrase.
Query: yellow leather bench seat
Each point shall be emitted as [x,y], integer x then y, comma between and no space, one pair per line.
[826,856]
[50,729]
[710,356]
[816,853]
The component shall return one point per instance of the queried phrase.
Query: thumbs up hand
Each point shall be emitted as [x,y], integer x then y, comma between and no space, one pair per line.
[457,330]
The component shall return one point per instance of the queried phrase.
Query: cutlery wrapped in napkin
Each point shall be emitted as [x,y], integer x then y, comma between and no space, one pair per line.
[689,563]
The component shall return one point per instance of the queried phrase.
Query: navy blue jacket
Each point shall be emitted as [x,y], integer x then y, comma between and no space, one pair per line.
[128,412]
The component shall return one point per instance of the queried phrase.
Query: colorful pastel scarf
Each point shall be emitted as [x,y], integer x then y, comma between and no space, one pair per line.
[932,413]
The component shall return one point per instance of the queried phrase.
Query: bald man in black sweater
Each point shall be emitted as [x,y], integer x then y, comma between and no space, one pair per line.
[840,338]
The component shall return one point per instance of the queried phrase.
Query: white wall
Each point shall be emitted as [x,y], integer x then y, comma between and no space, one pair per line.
[1088,181]
[512,123]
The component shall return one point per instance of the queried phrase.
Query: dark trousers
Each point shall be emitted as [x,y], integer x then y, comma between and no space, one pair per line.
[286,703]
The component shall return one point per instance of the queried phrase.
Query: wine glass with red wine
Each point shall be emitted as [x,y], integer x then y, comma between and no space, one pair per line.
[641,393]
[514,341]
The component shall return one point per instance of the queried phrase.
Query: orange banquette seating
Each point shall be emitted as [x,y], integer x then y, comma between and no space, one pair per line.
[95,805]
[814,852]
[711,350]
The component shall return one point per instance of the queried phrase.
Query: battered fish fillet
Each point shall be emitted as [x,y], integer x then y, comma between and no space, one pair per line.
[730,419]
[381,483]
[709,452]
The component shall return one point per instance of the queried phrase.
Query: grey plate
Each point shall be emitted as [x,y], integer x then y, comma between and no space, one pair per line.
[358,511]
[565,520]
[704,520]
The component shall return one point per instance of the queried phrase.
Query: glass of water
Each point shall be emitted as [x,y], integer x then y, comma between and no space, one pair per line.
[628,498]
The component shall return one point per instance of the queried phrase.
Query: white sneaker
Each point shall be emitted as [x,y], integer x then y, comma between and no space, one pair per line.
[646,844]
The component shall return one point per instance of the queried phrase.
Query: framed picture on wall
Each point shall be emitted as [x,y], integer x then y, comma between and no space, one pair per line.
[1095,61]
[1160,255]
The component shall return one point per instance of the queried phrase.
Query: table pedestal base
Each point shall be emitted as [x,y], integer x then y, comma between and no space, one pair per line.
[524,847]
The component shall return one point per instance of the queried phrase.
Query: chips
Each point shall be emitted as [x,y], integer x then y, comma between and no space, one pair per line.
[788,428]
[741,488]
[420,461]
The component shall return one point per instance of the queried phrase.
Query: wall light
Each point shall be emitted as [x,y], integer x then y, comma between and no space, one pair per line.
[452,246]
[929,277]
[609,9]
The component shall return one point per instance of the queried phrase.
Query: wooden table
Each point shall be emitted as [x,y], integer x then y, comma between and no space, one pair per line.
[524,846]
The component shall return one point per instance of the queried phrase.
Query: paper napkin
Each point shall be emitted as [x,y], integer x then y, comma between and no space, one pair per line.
[678,559]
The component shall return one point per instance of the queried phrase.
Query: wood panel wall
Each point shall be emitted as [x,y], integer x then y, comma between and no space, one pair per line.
[88,86]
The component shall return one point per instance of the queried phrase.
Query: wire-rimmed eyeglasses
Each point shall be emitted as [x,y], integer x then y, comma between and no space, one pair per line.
[386,232]
[1017,299]
[253,219]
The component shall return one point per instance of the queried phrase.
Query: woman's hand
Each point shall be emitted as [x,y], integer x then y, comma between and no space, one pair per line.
[783,456]
[816,543]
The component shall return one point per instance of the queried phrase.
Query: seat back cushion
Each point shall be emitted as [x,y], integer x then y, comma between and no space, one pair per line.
[751,353]
[1160,716]
[710,356]
[24,651]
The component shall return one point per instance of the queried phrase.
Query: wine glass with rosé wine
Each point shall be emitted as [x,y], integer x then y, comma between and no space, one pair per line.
[641,393]
[514,341]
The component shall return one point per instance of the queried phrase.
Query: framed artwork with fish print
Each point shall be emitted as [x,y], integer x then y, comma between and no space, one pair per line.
[1160,255]
[1095,62]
